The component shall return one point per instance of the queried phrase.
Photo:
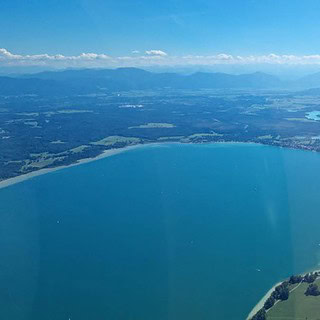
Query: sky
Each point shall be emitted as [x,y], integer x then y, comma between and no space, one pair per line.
[109,33]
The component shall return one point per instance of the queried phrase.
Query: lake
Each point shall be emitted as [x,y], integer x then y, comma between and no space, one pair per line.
[160,232]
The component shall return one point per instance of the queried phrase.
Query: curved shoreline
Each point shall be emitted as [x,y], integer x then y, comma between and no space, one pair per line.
[110,152]
[33,174]
[107,153]
[261,302]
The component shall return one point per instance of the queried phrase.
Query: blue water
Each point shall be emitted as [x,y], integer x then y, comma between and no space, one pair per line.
[168,232]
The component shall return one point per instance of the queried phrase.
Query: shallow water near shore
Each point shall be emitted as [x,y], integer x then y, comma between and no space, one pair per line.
[160,232]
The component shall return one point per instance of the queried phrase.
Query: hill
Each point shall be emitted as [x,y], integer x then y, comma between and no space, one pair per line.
[86,81]
[309,81]
[17,86]
[92,80]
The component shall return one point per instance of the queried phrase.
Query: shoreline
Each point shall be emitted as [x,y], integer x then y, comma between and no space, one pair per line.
[261,302]
[23,177]
[110,152]
[106,153]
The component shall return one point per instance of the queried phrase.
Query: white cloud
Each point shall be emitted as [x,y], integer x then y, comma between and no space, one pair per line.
[6,56]
[135,51]
[156,53]
[151,58]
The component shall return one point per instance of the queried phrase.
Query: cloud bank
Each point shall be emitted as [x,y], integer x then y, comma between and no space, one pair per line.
[150,58]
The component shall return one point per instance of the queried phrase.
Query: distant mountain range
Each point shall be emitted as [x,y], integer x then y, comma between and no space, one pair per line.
[86,81]
[17,86]
[310,81]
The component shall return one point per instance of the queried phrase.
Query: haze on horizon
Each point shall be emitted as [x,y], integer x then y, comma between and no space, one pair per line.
[232,36]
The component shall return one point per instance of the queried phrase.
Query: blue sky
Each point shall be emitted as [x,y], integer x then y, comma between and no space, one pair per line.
[175,27]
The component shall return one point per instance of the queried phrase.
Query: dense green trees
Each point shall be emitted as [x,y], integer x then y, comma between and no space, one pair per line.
[281,292]
[270,302]
[312,290]
[260,315]
[310,277]
[295,279]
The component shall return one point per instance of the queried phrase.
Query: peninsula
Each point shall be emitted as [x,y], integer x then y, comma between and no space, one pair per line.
[295,298]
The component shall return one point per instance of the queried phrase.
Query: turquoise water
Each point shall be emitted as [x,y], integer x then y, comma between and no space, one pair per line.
[313,115]
[168,232]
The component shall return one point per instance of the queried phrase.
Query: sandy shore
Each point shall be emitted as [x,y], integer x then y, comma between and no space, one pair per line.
[108,153]
[105,154]
[111,152]
[260,304]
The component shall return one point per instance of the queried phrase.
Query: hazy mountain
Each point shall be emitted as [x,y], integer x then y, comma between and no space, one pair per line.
[133,78]
[14,86]
[223,80]
[309,81]
[310,92]
[85,81]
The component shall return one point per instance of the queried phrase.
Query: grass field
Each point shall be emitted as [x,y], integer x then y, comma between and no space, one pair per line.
[298,306]
[112,140]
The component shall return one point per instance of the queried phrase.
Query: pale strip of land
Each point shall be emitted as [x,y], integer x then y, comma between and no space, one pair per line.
[260,304]
[106,153]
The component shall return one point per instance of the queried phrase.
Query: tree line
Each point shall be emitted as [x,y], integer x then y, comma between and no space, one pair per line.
[282,292]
